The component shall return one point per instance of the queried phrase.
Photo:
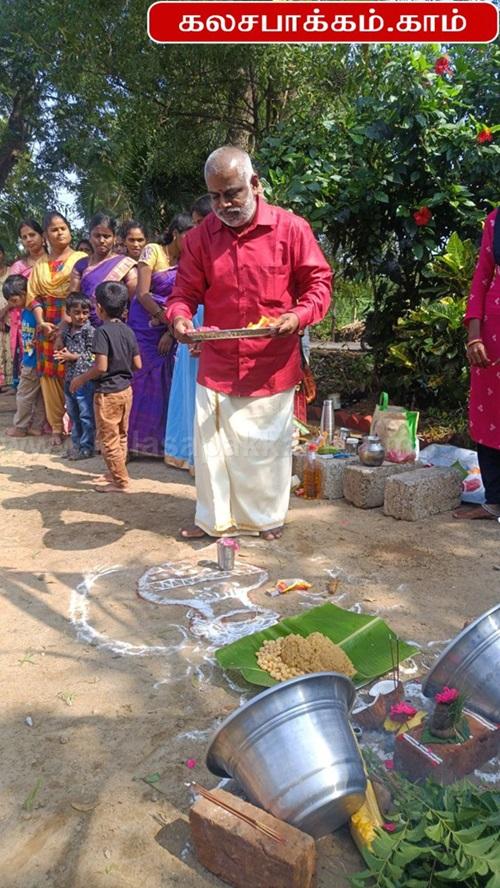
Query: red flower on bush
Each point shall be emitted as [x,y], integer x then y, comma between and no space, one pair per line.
[422,216]
[442,65]
[484,136]
[447,695]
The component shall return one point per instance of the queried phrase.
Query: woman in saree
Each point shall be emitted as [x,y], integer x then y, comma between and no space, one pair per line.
[133,238]
[5,353]
[103,264]
[30,234]
[151,385]
[180,418]
[48,287]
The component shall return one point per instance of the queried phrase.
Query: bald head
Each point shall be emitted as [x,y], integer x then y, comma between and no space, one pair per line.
[229,160]
[232,185]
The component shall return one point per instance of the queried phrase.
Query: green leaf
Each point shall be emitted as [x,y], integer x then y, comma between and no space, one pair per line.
[435,832]
[364,638]
[480,847]
[418,250]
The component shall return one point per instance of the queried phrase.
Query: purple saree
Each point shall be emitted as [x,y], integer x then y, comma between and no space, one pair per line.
[113,269]
[151,385]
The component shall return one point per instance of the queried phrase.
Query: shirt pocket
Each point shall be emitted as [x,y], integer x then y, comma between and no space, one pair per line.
[273,288]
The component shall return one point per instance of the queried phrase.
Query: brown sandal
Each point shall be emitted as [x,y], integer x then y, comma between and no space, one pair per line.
[474,513]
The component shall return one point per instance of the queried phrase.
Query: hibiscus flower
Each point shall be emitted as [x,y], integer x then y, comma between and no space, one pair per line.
[442,65]
[422,216]
[401,712]
[447,695]
[484,136]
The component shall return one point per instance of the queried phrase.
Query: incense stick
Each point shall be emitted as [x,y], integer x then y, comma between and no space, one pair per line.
[210,797]
[392,661]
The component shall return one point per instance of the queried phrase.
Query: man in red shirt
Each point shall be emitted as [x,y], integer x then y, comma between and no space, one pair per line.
[246,259]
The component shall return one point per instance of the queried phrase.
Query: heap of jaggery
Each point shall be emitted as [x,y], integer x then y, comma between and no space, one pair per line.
[295,655]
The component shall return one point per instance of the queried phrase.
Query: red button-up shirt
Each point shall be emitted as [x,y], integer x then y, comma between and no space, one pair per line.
[272,266]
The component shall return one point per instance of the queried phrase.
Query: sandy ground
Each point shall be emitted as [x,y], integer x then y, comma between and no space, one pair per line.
[119,688]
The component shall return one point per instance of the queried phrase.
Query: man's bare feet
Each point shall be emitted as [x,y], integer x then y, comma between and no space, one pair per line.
[274,534]
[474,513]
[112,488]
[12,432]
[56,440]
[193,533]
[35,433]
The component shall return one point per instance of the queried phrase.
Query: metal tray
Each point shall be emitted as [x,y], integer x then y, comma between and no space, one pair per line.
[238,333]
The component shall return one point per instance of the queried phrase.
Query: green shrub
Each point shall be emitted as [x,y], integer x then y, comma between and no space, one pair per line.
[429,348]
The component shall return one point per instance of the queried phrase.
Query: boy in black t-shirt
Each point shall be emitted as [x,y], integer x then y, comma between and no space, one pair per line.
[116,357]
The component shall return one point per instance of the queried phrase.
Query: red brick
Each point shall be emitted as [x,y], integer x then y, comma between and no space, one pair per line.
[242,855]
[456,760]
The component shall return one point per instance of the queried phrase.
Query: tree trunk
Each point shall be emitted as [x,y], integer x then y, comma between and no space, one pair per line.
[13,143]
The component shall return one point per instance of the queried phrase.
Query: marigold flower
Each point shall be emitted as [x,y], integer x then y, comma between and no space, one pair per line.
[422,216]
[484,136]
[401,712]
[447,695]
[442,65]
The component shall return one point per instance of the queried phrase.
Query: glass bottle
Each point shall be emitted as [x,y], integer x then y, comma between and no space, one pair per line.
[313,474]
[327,425]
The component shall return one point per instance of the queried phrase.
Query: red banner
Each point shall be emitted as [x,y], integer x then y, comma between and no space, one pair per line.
[326,22]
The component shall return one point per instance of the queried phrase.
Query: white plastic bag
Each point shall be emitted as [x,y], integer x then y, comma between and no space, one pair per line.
[447,455]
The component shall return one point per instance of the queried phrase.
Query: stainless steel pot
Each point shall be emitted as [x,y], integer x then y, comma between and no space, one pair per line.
[371,452]
[471,663]
[293,751]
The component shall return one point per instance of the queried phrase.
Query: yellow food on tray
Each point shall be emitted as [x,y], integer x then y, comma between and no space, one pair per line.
[295,655]
[263,322]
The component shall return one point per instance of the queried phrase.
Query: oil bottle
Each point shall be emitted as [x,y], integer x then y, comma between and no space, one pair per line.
[313,474]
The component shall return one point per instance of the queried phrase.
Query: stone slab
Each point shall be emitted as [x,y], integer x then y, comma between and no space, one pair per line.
[333,473]
[242,855]
[364,486]
[425,492]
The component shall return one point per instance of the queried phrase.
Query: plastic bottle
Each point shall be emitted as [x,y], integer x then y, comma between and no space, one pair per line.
[313,474]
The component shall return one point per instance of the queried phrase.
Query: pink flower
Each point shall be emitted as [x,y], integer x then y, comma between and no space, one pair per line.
[422,216]
[402,712]
[485,135]
[442,65]
[191,763]
[389,827]
[389,764]
[447,695]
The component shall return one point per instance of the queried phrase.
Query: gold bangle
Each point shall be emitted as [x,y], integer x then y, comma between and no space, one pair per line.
[473,342]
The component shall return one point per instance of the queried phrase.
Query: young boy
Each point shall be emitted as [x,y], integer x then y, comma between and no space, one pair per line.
[77,354]
[30,412]
[116,357]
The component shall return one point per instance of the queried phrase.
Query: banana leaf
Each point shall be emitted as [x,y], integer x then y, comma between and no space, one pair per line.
[365,639]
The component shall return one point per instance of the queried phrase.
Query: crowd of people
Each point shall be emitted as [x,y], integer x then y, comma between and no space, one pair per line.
[102,334]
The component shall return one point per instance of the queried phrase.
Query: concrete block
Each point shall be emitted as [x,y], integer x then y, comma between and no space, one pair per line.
[242,855]
[364,486]
[333,473]
[426,492]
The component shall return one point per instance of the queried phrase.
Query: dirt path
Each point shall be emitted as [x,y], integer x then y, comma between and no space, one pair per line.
[119,688]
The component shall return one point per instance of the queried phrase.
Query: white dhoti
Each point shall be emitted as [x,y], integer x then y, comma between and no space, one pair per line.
[243,460]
